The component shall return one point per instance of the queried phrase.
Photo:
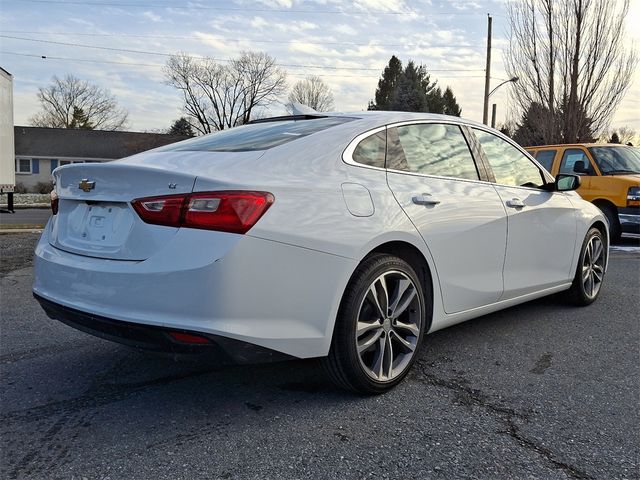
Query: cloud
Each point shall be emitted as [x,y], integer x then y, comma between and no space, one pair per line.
[277,3]
[345,29]
[258,23]
[152,16]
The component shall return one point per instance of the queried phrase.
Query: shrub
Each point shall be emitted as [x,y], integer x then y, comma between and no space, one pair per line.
[43,187]
[19,188]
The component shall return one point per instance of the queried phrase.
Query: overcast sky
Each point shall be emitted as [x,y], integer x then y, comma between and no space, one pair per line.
[347,43]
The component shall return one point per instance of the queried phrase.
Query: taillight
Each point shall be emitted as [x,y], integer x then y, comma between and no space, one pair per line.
[225,211]
[54,202]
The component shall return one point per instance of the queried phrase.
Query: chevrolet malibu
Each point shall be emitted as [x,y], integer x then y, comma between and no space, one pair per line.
[341,236]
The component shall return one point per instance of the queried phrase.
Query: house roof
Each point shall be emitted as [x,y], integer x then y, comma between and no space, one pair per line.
[74,143]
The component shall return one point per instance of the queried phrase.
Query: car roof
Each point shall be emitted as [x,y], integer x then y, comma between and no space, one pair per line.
[558,145]
[385,117]
[377,117]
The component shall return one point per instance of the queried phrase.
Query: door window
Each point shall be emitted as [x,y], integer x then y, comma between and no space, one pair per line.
[431,149]
[545,158]
[510,166]
[569,159]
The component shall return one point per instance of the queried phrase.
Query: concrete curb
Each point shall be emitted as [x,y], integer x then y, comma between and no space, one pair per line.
[7,231]
[26,205]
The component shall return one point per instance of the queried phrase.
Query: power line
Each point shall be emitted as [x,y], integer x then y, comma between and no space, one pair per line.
[160,65]
[144,52]
[192,37]
[244,9]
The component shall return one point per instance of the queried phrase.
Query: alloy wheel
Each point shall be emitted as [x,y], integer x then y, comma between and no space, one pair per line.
[389,323]
[593,266]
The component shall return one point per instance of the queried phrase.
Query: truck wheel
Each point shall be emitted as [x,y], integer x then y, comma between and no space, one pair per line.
[615,231]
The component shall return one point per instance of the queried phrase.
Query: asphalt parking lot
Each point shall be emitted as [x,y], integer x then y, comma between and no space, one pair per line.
[542,391]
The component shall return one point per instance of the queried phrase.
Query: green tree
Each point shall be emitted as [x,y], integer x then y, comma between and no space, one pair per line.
[528,131]
[411,90]
[387,85]
[181,127]
[537,121]
[615,138]
[410,94]
[451,106]
[80,120]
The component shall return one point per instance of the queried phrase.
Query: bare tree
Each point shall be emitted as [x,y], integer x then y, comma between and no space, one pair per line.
[66,98]
[312,92]
[222,96]
[570,58]
[625,135]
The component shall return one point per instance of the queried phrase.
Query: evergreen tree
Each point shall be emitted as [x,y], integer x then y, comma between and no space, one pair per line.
[411,90]
[409,94]
[538,126]
[80,120]
[530,130]
[451,106]
[181,127]
[615,138]
[387,85]
[435,102]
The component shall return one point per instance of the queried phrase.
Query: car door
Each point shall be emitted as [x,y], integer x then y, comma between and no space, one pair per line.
[567,165]
[434,178]
[541,225]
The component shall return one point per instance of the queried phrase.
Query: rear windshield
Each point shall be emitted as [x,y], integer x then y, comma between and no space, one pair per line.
[259,136]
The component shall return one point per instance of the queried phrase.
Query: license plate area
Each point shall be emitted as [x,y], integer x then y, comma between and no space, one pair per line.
[94,226]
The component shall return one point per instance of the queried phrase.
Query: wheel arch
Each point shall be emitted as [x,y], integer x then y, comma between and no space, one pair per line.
[604,202]
[599,224]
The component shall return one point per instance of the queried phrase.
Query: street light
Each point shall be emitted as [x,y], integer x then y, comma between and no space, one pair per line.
[493,107]
[514,80]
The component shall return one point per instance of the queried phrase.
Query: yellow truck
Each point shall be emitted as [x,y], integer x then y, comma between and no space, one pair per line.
[610,175]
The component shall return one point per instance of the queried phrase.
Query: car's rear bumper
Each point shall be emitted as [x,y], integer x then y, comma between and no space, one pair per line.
[159,339]
[629,219]
[273,295]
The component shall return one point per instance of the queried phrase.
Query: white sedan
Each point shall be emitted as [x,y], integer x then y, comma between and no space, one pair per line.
[342,236]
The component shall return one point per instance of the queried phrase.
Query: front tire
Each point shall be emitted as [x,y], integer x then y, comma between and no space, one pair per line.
[590,271]
[615,230]
[380,326]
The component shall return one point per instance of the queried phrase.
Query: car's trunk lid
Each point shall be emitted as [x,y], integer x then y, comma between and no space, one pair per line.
[95,217]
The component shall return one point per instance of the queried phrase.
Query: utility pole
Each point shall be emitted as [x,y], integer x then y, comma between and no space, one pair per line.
[485,110]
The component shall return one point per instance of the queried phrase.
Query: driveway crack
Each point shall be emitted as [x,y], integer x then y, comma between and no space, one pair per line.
[470,396]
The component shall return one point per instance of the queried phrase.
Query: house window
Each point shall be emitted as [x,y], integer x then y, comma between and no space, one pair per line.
[69,162]
[23,165]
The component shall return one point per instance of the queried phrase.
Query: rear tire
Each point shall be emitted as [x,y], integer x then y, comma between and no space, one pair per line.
[590,271]
[379,328]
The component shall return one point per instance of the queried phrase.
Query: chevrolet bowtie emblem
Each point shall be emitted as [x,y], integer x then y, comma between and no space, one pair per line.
[85,185]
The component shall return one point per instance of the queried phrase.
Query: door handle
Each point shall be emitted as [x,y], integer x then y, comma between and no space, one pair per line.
[425,199]
[515,203]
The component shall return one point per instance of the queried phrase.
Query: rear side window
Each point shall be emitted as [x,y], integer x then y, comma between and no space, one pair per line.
[371,150]
[431,149]
[259,136]
[545,158]
[569,159]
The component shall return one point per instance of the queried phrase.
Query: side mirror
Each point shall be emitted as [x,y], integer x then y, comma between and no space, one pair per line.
[580,167]
[567,183]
